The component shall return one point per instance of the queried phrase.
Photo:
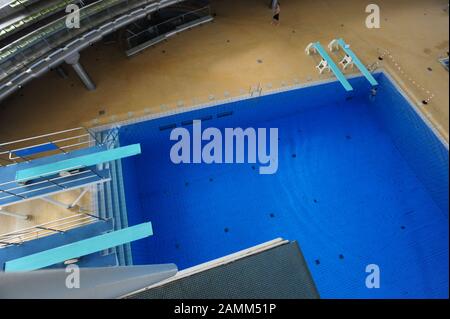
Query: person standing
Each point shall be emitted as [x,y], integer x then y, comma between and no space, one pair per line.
[276,14]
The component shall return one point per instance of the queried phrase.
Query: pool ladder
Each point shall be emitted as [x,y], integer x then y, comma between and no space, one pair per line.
[256,91]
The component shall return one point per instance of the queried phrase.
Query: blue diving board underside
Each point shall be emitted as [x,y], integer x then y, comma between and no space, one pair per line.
[357,62]
[78,162]
[337,72]
[79,249]
[29,151]
[8,173]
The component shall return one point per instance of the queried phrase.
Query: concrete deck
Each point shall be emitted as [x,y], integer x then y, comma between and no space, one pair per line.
[240,50]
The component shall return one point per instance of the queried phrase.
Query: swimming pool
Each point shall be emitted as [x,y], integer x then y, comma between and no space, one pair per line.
[360,181]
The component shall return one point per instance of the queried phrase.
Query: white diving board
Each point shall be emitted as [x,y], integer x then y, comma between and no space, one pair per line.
[77,162]
[334,68]
[79,249]
[355,60]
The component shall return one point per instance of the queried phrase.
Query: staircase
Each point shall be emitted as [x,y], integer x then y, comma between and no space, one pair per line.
[111,197]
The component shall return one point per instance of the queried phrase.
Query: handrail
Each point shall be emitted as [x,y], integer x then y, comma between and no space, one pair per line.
[33,16]
[38,35]
[73,139]
[42,136]
[46,227]
[42,230]
[33,34]
[12,191]
[80,248]
[49,46]
[182,16]
[79,162]
[53,223]
[54,181]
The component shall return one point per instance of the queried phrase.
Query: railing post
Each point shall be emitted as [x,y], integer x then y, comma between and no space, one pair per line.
[92,135]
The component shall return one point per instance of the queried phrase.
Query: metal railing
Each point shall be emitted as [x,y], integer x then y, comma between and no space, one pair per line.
[66,141]
[54,227]
[29,16]
[22,52]
[62,142]
[167,26]
[14,191]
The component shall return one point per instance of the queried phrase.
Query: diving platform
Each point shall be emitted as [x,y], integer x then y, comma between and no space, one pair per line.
[88,227]
[328,63]
[77,162]
[80,248]
[49,175]
[351,56]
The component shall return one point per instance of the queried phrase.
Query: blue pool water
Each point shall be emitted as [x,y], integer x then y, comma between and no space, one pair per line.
[360,181]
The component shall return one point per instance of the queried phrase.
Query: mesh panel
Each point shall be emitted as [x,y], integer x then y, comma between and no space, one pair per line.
[280,272]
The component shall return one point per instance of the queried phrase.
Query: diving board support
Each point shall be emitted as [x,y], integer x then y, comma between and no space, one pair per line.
[336,43]
[78,198]
[54,202]
[15,215]
[77,162]
[79,249]
[63,205]
[326,59]
[74,61]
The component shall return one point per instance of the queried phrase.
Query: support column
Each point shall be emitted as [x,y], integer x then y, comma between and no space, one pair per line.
[75,202]
[74,61]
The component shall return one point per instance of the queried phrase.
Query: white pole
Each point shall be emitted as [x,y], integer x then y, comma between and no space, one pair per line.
[78,198]
[19,216]
[55,202]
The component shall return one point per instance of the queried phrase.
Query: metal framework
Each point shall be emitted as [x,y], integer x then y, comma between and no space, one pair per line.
[42,230]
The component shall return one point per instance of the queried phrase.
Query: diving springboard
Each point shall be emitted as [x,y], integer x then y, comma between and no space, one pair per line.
[337,72]
[357,62]
[79,249]
[78,162]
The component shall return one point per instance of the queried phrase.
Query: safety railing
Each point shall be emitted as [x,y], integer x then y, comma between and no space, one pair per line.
[29,15]
[35,147]
[9,6]
[45,145]
[54,227]
[24,51]
[13,191]
[155,31]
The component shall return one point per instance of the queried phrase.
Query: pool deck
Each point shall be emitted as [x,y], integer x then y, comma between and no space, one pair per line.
[238,51]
